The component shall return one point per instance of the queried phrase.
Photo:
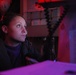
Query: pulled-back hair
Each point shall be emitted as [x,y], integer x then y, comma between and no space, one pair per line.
[8,17]
[6,20]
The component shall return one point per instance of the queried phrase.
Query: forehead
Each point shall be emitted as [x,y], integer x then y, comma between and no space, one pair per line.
[18,19]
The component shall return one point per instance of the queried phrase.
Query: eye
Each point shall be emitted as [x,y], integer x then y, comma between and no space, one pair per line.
[18,25]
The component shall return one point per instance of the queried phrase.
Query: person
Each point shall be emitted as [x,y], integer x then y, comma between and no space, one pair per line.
[15,49]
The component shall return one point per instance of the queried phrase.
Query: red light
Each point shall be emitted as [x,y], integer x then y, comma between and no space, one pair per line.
[42,1]
[55,0]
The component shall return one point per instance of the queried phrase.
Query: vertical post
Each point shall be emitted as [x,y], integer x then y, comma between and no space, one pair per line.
[48,54]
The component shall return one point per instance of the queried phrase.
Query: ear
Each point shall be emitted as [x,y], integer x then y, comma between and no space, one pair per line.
[4,29]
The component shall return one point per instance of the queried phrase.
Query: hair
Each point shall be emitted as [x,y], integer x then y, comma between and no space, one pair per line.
[7,18]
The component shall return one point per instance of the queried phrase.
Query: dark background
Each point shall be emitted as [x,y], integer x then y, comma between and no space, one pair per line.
[15,6]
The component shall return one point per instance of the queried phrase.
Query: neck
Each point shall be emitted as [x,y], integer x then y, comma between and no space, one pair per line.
[11,42]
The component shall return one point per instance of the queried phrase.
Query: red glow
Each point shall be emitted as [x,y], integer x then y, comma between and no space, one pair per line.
[42,1]
[4,5]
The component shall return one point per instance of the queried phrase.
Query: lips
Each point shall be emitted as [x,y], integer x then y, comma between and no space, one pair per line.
[23,35]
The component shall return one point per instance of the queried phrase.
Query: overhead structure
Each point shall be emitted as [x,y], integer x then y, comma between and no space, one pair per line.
[46,4]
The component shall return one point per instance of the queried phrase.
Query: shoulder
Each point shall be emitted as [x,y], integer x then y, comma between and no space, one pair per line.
[1,41]
[26,46]
[28,43]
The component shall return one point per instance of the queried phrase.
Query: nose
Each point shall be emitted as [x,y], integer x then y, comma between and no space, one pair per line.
[24,30]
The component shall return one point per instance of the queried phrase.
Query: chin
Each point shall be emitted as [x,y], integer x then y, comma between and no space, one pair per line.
[20,40]
[23,41]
